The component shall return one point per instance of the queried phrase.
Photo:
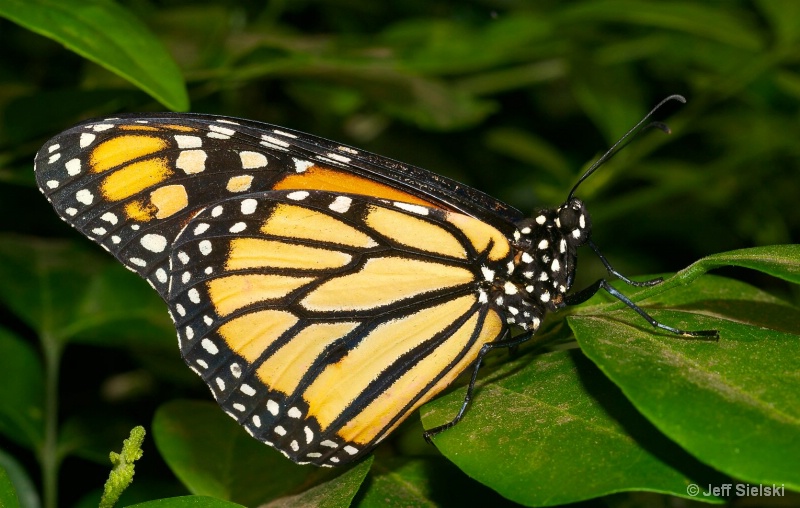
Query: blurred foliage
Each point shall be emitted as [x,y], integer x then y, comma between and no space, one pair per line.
[514,98]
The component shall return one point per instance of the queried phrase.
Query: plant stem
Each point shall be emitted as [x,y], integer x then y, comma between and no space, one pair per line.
[49,459]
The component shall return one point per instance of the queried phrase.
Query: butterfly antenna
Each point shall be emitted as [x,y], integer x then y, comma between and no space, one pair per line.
[625,139]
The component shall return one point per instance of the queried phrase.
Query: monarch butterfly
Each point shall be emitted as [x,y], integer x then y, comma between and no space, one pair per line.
[323,293]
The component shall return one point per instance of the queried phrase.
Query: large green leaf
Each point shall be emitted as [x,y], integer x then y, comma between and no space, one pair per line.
[214,456]
[109,35]
[188,502]
[429,481]
[734,404]
[552,430]
[337,492]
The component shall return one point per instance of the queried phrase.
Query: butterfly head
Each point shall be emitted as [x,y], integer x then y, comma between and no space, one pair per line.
[573,222]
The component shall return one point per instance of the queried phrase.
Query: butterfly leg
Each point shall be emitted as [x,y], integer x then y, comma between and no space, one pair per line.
[612,271]
[586,293]
[506,343]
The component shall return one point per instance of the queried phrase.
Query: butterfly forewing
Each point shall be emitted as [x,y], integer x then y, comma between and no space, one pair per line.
[131,183]
[320,321]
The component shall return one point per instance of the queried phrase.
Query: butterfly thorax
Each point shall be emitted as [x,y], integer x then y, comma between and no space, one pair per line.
[543,265]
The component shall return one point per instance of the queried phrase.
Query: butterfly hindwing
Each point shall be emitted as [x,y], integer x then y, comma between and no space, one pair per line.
[321,320]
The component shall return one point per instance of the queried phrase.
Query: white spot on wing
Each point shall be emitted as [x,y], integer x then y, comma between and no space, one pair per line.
[188,141]
[297,195]
[86,139]
[238,227]
[109,217]
[154,243]
[337,157]
[209,346]
[252,160]
[191,161]
[201,228]
[341,204]
[73,167]
[220,132]
[301,165]
[275,141]
[84,196]
[138,262]
[248,206]
[161,275]
[417,209]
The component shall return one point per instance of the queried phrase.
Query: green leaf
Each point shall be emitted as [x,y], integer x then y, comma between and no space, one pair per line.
[21,391]
[188,502]
[334,493]
[212,455]
[64,291]
[734,404]
[25,492]
[782,261]
[8,495]
[552,429]
[432,481]
[109,35]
